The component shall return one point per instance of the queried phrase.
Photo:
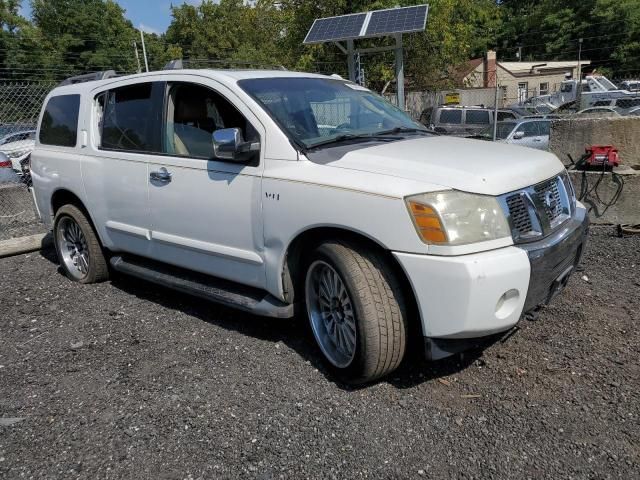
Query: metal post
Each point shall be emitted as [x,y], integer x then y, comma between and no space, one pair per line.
[579,86]
[351,61]
[495,111]
[144,52]
[399,71]
[135,49]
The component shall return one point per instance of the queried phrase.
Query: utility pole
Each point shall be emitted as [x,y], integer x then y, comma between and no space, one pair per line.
[495,111]
[135,49]
[144,52]
[579,86]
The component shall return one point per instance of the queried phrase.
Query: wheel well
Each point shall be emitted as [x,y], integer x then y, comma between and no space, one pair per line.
[306,242]
[65,197]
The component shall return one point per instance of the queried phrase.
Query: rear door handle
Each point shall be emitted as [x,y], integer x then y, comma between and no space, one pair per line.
[161,175]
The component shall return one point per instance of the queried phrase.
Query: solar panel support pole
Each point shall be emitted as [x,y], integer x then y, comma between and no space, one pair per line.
[399,71]
[351,61]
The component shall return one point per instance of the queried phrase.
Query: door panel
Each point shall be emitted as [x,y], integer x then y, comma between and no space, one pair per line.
[207,218]
[124,125]
[206,214]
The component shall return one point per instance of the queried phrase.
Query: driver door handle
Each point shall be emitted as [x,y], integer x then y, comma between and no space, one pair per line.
[161,175]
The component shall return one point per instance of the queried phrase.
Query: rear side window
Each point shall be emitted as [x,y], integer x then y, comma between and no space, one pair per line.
[477,117]
[544,127]
[60,121]
[452,117]
[128,119]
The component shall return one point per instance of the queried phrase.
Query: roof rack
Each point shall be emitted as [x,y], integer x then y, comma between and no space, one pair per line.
[178,64]
[89,77]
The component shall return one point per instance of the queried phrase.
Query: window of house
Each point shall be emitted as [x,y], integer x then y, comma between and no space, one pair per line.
[451,117]
[194,112]
[477,117]
[60,121]
[128,120]
[544,88]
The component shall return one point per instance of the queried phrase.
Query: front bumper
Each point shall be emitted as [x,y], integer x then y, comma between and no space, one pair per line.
[471,296]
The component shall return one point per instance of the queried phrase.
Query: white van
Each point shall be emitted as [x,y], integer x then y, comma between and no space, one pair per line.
[277,192]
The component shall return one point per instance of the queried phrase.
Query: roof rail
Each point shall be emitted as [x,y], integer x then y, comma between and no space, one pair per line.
[178,64]
[89,77]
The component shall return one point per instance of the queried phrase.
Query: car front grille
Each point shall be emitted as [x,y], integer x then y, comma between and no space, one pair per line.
[536,211]
[549,189]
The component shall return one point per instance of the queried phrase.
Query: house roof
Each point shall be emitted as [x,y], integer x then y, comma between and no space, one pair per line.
[525,67]
[460,73]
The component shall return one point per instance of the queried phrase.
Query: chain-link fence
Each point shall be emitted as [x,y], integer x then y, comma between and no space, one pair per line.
[20,105]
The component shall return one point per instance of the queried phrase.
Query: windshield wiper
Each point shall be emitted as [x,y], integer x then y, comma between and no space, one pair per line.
[346,137]
[397,130]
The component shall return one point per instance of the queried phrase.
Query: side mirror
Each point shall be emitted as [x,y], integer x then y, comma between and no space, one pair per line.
[228,144]
[518,135]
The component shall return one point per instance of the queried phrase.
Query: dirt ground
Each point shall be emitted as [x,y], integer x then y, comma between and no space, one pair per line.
[128,380]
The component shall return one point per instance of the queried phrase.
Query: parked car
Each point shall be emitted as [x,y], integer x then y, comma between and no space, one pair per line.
[525,132]
[598,112]
[630,85]
[18,147]
[550,116]
[220,184]
[7,129]
[633,112]
[7,175]
[461,121]
[18,136]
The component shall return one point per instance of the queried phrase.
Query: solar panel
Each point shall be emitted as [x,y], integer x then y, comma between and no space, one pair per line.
[336,28]
[397,20]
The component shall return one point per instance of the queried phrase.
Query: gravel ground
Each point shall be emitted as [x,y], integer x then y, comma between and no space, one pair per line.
[127,380]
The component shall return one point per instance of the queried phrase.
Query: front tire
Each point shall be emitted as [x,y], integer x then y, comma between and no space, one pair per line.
[78,248]
[356,310]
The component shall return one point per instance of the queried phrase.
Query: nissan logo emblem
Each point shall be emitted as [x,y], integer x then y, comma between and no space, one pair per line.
[550,201]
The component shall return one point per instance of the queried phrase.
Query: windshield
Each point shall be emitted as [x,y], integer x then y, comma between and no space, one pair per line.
[503,129]
[314,111]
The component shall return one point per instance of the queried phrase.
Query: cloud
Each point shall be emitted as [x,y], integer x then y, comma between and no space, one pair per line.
[148,29]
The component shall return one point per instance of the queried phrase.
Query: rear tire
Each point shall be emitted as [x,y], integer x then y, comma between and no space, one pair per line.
[78,248]
[356,310]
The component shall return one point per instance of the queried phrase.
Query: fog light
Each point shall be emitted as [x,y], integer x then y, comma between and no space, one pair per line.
[507,303]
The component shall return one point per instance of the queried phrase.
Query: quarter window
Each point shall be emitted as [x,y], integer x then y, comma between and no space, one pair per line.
[60,121]
[128,119]
[477,117]
[451,117]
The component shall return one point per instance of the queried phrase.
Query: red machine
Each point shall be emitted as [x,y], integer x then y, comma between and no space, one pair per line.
[601,155]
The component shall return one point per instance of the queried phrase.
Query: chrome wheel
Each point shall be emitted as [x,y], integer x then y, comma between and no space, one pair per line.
[331,313]
[72,245]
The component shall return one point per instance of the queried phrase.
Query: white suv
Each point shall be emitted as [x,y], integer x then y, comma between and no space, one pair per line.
[273,190]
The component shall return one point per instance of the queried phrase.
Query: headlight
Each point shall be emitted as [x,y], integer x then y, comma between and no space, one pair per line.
[457,218]
[17,153]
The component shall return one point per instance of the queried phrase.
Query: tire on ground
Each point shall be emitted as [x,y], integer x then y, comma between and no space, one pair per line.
[98,269]
[381,313]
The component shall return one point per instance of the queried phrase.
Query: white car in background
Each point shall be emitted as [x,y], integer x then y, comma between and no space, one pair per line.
[525,132]
[17,147]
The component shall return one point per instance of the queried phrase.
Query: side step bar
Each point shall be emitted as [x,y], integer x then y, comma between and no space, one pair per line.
[231,294]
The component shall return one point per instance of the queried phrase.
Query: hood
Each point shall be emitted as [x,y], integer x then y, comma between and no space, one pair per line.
[474,166]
